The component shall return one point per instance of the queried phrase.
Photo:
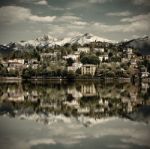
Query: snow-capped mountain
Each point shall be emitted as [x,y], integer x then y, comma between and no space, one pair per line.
[142,44]
[87,38]
[48,41]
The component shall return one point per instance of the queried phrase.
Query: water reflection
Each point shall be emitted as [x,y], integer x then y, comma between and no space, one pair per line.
[88,102]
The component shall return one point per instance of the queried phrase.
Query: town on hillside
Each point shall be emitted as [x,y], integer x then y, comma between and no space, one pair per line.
[96,60]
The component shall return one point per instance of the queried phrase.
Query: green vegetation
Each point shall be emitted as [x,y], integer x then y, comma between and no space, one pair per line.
[90,59]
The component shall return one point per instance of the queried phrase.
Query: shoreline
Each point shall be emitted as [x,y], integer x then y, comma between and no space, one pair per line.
[125,80]
[19,79]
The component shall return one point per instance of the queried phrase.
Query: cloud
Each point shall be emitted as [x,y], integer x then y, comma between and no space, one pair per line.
[98,1]
[126,28]
[119,14]
[119,146]
[41,2]
[41,141]
[137,18]
[15,14]
[140,2]
[38,2]
[80,23]
[140,23]
[42,19]
[68,18]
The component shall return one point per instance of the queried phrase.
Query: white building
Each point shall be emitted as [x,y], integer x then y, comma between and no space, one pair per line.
[102,50]
[72,56]
[103,57]
[20,61]
[74,67]
[130,51]
[84,49]
[16,64]
[88,69]
[144,73]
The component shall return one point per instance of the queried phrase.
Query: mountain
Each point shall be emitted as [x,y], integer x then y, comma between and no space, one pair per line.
[48,41]
[142,44]
[87,38]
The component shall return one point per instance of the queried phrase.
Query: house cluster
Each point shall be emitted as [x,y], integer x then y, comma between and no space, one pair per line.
[107,57]
[20,64]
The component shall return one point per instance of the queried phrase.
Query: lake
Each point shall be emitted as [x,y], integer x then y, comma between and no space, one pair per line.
[81,114]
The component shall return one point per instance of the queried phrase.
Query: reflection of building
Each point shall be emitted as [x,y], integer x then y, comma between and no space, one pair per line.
[88,69]
[88,90]
[14,95]
[76,94]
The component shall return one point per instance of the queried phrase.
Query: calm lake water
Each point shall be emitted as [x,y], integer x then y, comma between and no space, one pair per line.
[79,115]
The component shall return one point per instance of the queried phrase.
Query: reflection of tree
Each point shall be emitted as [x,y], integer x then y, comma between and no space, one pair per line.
[92,99]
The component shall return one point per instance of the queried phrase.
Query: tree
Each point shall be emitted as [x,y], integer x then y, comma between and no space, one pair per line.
[70,61]
[90,59]
[3,70]
[27,73]
[78,71]
[110,54]
[70,75]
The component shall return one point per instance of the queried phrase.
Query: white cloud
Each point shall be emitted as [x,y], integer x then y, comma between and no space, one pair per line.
[118,14]
[80,23]
[42,2]
[42,19]
[67,18]
[41,141]
[14,14]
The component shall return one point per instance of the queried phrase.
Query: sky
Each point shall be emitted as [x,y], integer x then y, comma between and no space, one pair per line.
[112,19]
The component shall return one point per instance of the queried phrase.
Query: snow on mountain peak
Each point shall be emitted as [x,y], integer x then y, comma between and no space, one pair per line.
[47,41]
[46,38]
[87,38]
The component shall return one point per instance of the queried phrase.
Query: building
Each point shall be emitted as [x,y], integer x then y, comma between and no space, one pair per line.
[74,67]
[101,50]
[16,64]
[130,53]
[144,72]
[19,61]
[32,61]
[51,56]
[88,69]
[134,63]
[103,57]
[72,56]
[84,49]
